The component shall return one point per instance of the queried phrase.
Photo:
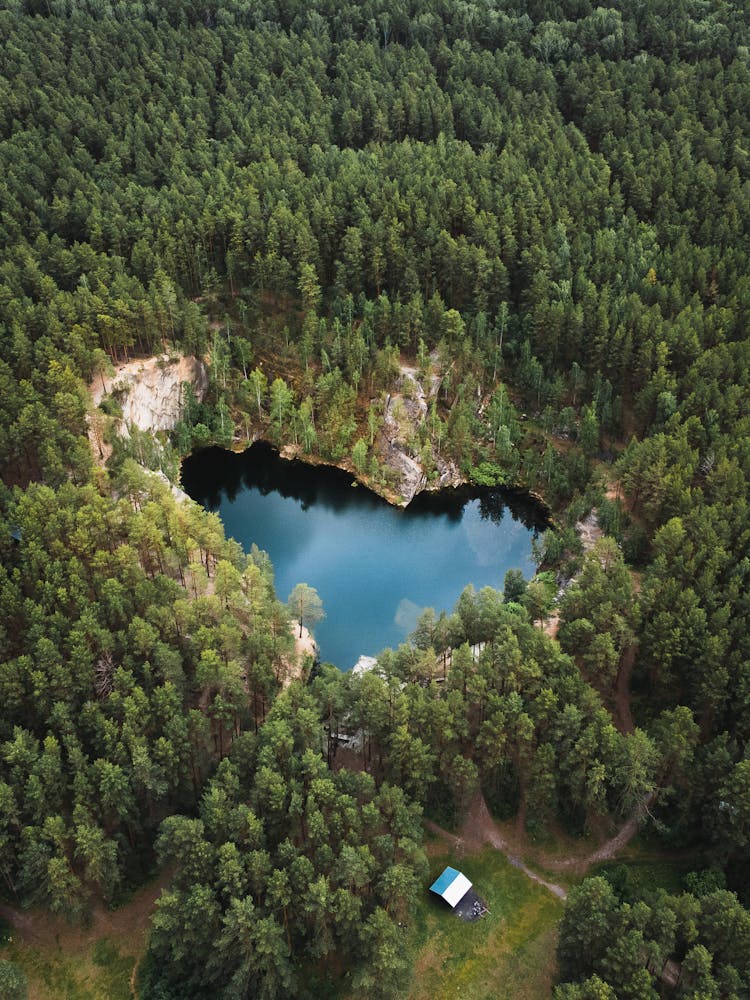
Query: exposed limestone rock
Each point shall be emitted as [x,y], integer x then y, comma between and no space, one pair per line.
[405,411]
[294,668]
[364,665]
[448,475]
[150,392]
[589,531]
[411,477]
[404,414]
[179,494]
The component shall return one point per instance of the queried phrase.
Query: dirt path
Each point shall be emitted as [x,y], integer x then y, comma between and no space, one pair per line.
[623,715]
[611,847]
[613,491]
[22,923]
[624,835]
[127,926]
[479,829]
[551,624]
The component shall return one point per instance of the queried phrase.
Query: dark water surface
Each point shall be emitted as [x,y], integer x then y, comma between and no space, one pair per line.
[376,567]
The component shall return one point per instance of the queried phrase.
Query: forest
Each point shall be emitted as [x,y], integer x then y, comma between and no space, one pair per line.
[545,209]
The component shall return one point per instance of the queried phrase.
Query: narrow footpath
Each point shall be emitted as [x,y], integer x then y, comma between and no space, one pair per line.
[479,829]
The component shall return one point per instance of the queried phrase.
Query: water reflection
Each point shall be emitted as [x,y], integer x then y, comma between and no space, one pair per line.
[376,567]
[407,615]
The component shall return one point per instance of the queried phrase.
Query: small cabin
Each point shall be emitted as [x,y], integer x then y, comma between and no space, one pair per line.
[454,887]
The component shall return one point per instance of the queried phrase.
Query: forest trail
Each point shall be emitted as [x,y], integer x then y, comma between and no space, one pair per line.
[610,848]
[126,927]
[480,829]
[22,923]
[624,835]
[613,490]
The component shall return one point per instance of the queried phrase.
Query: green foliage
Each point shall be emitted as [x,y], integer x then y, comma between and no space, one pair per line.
[539,595]
[515,585]
[599,613]
[547,208]
[488,474]
[359,456]
[99,736]
[305,606]
[634,880]
[514,716]
[626,944]
[288,864]
[701,883]
[13,984]
[116,969]
[76,963]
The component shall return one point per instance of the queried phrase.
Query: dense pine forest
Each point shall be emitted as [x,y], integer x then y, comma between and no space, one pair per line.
[544,207]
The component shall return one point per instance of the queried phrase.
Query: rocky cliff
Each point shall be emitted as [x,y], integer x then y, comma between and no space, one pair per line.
[405,411]
[150,392]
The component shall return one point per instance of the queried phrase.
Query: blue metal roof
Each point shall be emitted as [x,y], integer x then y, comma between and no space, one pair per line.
[441,884]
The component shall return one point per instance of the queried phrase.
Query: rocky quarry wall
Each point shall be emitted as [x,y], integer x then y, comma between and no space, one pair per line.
[151,391]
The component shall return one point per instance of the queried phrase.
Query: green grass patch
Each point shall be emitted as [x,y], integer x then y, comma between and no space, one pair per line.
[509,953]
[113,967]
[99,973]
[633,880]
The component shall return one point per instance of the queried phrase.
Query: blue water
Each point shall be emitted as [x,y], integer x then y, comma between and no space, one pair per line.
[375,567]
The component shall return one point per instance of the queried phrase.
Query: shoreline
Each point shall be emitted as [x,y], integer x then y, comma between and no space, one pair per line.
[292,454]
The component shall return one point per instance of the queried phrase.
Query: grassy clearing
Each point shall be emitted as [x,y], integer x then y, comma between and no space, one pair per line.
[100,972]
[65,962]
[509,953]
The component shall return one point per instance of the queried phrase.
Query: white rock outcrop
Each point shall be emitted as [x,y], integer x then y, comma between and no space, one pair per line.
[405,412]
[364,665]
[150,391]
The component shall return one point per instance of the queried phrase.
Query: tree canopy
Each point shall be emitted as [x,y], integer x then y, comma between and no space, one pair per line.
[539,215]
